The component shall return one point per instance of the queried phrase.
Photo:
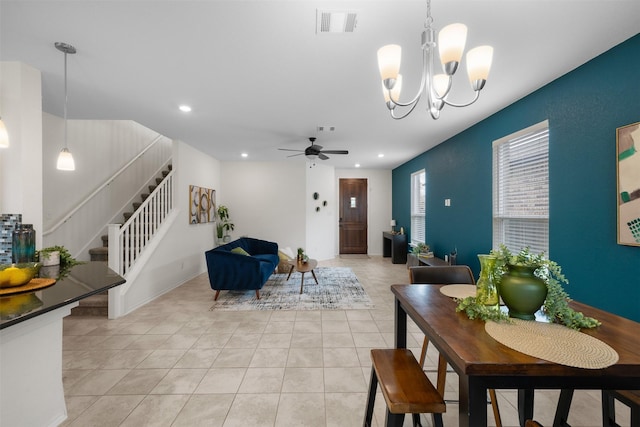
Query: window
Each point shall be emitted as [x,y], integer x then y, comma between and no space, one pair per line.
[418,207]
[521,189]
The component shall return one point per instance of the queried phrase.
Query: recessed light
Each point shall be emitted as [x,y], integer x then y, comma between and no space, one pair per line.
[185,108]
[244,155]
[380,155]
[357,165]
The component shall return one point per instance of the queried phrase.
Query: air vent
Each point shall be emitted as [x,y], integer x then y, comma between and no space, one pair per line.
[335,21]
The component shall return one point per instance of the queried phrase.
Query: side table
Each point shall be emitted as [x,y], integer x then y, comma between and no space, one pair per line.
[303,267]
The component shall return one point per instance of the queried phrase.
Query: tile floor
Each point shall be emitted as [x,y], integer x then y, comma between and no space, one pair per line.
[175,363]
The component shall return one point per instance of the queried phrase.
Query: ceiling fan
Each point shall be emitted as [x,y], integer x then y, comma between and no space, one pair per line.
[314,150]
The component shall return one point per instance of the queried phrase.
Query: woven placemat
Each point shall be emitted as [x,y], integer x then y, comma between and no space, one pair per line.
[553,342]
[459,291]
[33,285]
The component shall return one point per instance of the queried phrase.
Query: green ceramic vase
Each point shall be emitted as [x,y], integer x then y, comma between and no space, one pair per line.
[522,292]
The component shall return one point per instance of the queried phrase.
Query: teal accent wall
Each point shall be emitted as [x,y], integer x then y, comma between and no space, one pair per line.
[584,108]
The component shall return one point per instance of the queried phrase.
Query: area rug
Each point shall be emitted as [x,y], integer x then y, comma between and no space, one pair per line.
[338,289]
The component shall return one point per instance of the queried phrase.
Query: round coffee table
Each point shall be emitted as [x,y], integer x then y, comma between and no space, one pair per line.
[303,267]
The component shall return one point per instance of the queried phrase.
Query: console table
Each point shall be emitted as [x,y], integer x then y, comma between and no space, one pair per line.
[416,260]
[394,246]
[31,351]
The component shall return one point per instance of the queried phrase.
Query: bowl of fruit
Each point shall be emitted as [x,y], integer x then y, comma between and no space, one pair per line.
[12,275]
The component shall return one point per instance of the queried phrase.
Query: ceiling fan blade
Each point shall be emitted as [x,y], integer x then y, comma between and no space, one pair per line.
[322,156]
[336,152]
[288,149]
[294,155]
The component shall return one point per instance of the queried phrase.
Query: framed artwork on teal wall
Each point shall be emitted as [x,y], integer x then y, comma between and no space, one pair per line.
[628,177]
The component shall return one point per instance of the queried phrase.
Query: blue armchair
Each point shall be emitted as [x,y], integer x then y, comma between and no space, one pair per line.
[240,271]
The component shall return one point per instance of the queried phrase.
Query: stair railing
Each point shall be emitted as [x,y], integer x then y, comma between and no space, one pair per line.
[130,238]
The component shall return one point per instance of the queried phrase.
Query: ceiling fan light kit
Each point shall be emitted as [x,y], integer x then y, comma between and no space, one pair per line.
[436,87]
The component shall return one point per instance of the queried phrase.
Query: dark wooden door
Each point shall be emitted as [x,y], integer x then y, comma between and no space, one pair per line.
[353,216]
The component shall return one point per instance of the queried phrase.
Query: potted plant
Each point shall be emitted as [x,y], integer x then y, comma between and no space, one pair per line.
[555,302]
[56,261]
[420,249]
[224,225]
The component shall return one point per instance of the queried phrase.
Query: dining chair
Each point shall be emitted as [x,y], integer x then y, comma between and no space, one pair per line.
[447,275]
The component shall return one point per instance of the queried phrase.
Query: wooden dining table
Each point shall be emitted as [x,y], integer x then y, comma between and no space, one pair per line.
[483,363]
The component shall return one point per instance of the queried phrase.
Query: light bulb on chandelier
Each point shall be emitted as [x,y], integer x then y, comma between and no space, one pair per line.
[451,43]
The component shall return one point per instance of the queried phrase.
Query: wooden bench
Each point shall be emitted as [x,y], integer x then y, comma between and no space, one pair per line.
[631,398]
[405,387]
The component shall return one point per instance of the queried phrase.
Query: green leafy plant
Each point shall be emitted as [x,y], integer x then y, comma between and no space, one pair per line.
[473,310]
[224,222]
[67,261]
[419,248]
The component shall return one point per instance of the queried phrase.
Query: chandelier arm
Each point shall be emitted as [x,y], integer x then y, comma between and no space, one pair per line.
[463,105]
[413,106]
[423,83]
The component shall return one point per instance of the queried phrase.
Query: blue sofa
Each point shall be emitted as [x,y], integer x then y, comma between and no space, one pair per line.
[237,271]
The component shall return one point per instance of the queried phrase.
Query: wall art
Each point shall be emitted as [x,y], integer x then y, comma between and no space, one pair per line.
[628,177]
[202,205]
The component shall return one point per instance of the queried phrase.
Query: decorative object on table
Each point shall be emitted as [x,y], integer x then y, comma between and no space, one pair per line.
[8,223]
[338,289]
[556,305]
[301,257]
[202,205]
[393,225]
[23,244]
[17,274]
[401,230]
[628,180]
[420,249]
[486,289]
[224,226]
[50,268]
[522,291]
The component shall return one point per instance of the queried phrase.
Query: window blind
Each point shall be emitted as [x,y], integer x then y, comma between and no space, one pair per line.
[521,189]
[418,208]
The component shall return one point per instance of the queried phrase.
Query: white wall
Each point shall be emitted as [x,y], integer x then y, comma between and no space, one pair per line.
[273,201]
[180,256]
[379,203]
[266,200]
[321,224]
[21,163]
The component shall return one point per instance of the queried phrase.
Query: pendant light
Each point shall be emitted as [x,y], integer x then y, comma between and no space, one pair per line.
[65,159]
[4,136]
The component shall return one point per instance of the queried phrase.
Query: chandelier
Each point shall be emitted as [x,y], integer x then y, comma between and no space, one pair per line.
[451,42]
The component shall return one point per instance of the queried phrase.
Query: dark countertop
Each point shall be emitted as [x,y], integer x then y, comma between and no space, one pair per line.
[83,280]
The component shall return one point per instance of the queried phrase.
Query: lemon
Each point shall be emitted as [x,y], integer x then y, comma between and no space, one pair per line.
[13,276]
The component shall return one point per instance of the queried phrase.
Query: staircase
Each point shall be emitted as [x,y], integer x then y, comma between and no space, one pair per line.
[98,305]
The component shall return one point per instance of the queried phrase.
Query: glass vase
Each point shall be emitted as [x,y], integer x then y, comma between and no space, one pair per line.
[486,289]
[23,244]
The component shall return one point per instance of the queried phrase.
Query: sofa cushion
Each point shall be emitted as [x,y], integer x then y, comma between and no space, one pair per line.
[240,251]
[269,258]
